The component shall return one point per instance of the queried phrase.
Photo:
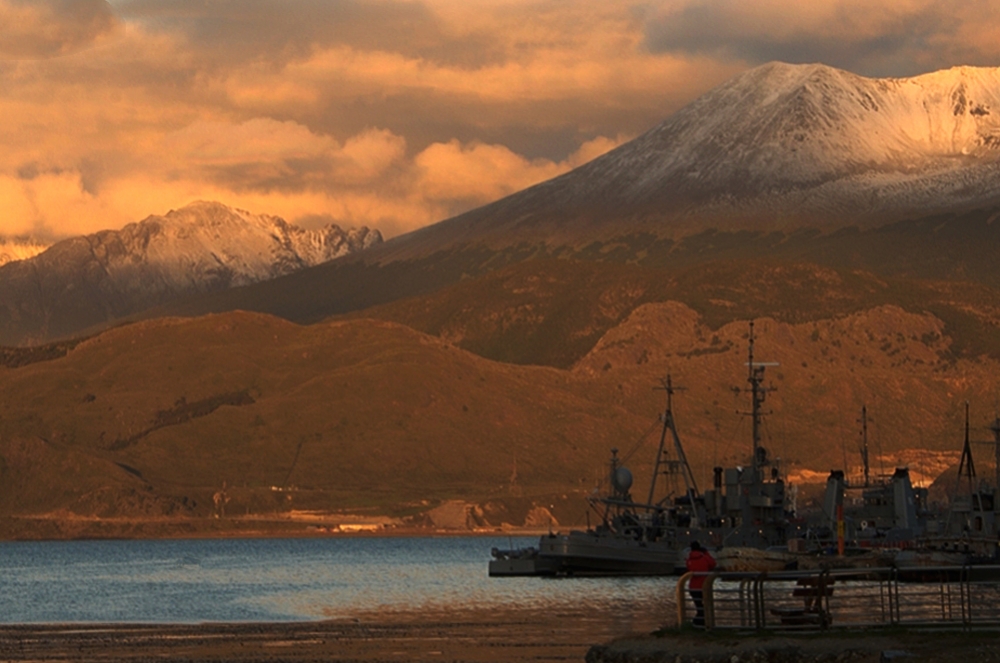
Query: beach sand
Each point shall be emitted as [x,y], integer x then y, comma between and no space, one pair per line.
[476,637]
[473,636]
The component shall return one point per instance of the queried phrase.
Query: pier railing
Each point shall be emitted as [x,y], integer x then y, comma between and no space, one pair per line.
[959,596]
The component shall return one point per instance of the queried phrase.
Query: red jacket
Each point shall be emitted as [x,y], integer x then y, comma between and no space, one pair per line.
[699,561]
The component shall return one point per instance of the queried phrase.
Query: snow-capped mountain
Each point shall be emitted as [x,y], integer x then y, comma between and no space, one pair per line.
[777,147]
[206,245]
[203,247]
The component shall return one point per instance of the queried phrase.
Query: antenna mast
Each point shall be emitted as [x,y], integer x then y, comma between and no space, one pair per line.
[758,393]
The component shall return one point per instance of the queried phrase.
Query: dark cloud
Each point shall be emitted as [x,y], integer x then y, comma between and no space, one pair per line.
[38,29]
[874,40]
[279,30]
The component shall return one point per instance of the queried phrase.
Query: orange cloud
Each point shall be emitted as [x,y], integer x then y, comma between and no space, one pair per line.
[451,171]
[478,173]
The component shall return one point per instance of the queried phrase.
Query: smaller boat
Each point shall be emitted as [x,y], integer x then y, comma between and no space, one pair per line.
[521,562]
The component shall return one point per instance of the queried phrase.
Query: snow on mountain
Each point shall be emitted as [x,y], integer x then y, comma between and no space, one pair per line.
[777,147]
[206,244]
[787,129]
[204,247]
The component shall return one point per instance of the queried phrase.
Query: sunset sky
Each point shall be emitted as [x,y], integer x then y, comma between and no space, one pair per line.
[388,113]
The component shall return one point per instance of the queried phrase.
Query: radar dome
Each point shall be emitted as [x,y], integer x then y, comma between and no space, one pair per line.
[622,479]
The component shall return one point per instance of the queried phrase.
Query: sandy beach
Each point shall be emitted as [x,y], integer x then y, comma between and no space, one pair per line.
[477,637]
[468,636]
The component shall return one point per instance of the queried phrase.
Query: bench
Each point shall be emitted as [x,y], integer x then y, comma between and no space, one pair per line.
[815,592]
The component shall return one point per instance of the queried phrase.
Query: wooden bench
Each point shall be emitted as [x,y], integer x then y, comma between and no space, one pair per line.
[815,592]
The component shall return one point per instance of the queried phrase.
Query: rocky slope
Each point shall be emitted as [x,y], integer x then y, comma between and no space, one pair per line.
[204,247]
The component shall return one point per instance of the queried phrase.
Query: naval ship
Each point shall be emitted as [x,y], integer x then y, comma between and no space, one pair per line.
[747,507]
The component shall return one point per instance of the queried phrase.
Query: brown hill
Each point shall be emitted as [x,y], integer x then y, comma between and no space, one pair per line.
[344,415]
[147,422]
[552,312]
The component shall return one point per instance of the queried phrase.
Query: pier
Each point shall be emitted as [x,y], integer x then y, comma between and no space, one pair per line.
[940,596]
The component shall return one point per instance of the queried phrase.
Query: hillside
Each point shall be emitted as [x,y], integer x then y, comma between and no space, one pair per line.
[552,312]
[146,422]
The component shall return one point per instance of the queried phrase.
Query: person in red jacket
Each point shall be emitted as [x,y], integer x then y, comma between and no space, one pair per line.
[699,560]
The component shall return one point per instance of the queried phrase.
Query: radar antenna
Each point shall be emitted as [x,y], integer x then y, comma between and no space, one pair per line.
[758,393]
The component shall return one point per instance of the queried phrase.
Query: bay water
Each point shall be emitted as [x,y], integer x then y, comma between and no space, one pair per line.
[270,580]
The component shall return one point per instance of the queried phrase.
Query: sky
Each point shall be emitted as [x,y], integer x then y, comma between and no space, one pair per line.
[388,113]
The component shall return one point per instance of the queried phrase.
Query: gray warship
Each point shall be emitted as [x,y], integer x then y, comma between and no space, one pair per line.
[747,507]
[877,512]
[892,516]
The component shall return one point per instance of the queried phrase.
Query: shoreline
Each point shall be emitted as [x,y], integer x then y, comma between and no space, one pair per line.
[77,529]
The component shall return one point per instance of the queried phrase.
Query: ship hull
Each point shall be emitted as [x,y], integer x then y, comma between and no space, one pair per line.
[589,553]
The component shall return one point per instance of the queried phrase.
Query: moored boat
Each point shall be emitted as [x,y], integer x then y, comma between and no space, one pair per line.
[521,562]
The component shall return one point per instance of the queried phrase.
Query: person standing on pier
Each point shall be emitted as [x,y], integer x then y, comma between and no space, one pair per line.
[699,561]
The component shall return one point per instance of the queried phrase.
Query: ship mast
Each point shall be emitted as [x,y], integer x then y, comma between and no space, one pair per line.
[965,465]
[758,392]
[864,442]
[668,424]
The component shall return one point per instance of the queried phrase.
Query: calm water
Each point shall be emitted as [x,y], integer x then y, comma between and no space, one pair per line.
[285,580]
